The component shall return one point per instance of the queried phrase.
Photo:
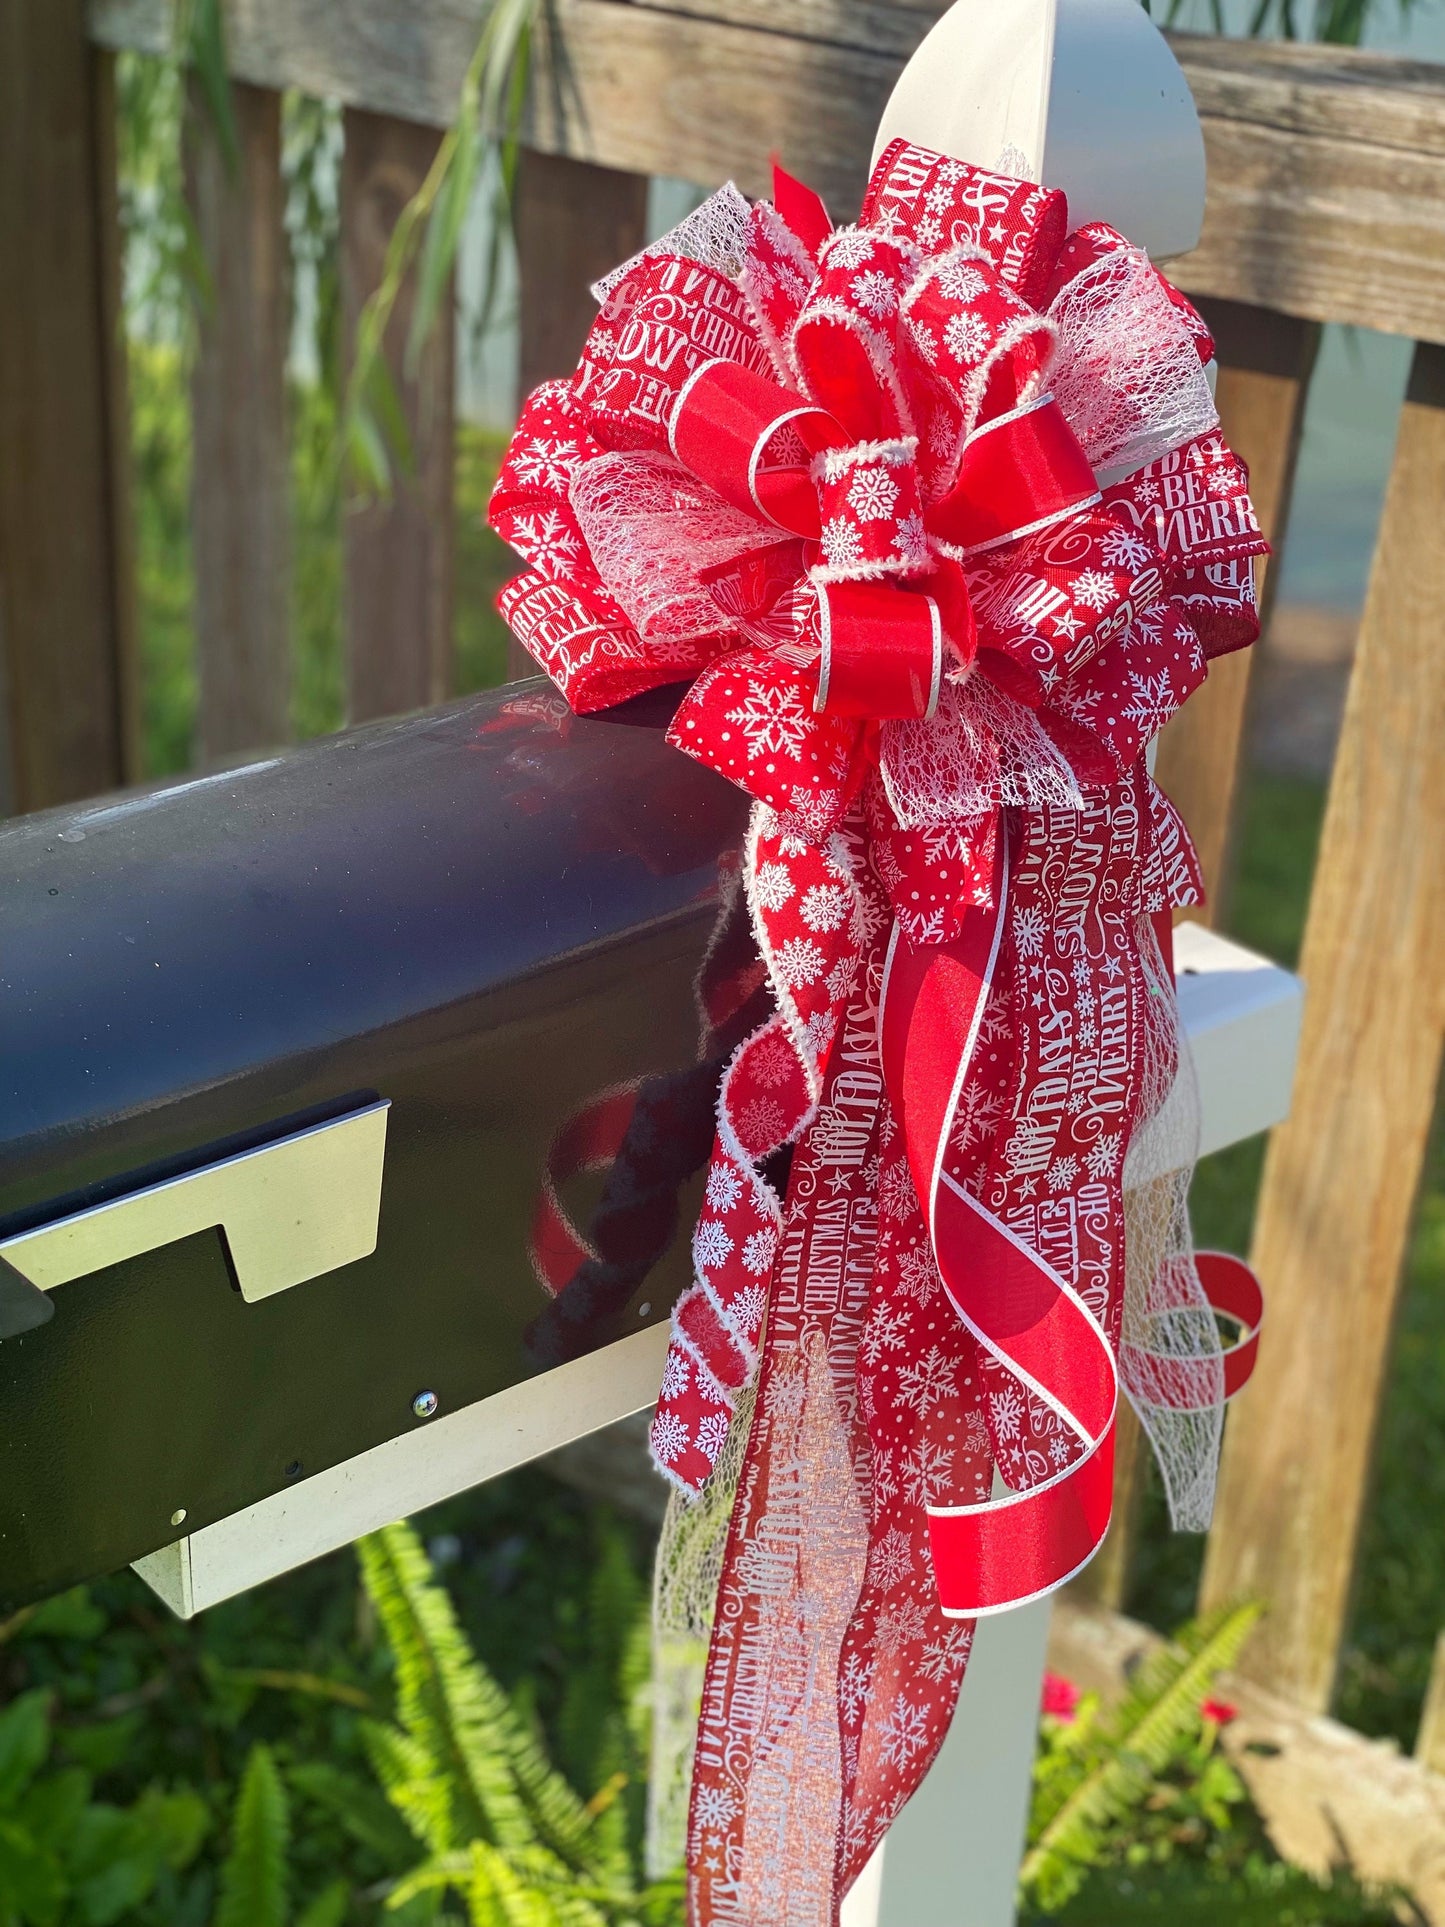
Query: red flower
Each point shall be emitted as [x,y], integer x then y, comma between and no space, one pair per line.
[1061,1697]
[1218,1712]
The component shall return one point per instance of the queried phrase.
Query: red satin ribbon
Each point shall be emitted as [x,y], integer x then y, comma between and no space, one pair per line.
[720,428]
[882,651]
[1019,473]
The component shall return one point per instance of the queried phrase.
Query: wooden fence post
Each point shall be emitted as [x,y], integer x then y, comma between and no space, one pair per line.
[1265,362]
[1340,1177]
[240,469]
[398,592]
[67,616]
[574,223]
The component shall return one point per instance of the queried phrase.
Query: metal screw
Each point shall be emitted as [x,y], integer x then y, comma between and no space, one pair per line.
[178,1517]
[644,1308]
[424,1405]
[294,1469]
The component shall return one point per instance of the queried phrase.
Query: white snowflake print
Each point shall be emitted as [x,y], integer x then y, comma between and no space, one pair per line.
[747,1309]
[1088,1030]
[1095,589]
[771,1061]
[917,1274]
[883,1332]
[773,721]
[758,1249]
[944,1657]
[676,1375]
[711,1245]
[840,979]
[724,1186]
[929,1381]
[1062,1173]
[923,339]
[872,494]
[761,1122]
[906,1733]
[822,1027]
[1029,931]
[546,462]
[669,1437]
[546,540]
[929,232]
[961,282]
[772,886]
[967,335]
[825,906]
[926,1470]
[854,1684]
[848,249]
[842,544]
[900,1624]
[1125,550]
[712,1435]
[895,1190]
[979,1112]
[1103,1160]
[875,293]
[813,811]
[936,200]
[1148,491]
[800,961]
[910,541]
[796,286]
[1151,702]
[892,1559]
[1221,482]
[714,1806]
[1007,1410]
[1059,1449]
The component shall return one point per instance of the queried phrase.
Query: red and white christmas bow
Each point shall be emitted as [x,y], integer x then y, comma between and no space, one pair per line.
[934,516]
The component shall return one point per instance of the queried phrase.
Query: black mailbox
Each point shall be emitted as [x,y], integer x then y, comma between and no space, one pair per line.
[397,964]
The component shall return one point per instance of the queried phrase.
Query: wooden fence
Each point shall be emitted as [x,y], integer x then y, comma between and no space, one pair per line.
[1326,203]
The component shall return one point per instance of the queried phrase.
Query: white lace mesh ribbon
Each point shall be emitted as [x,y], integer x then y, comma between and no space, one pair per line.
[650,528]
[684,1597]
[981,750]
[715,234]
[1127,373]
[1170,1350]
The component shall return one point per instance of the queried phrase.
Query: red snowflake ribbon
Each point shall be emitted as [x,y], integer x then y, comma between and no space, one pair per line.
[934,517]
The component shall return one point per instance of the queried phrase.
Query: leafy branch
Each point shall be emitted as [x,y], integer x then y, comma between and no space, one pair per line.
[427,236]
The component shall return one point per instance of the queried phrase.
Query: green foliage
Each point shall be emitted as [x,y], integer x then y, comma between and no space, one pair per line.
[67,1859]
[468,1771]
[255,1876]
[427,234]
[1342,22]
[1137,1815]
[1101,1768]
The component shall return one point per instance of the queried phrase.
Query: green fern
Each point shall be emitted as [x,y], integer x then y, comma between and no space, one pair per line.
[254,1876]
[1106,1768]
[464,1735]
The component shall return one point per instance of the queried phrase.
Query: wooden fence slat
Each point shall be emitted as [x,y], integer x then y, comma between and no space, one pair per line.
[240,469]
[1340,1177]
[1327,175]
[398,591]
[1265,361]
[574,222]
[64,615]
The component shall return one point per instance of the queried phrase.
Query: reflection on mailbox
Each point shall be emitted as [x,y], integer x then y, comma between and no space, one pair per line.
[406,957]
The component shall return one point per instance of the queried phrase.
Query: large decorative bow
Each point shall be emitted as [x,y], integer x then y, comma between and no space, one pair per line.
[934,515]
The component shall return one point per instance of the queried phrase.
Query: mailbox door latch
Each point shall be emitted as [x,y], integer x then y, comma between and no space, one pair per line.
[290,1210]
